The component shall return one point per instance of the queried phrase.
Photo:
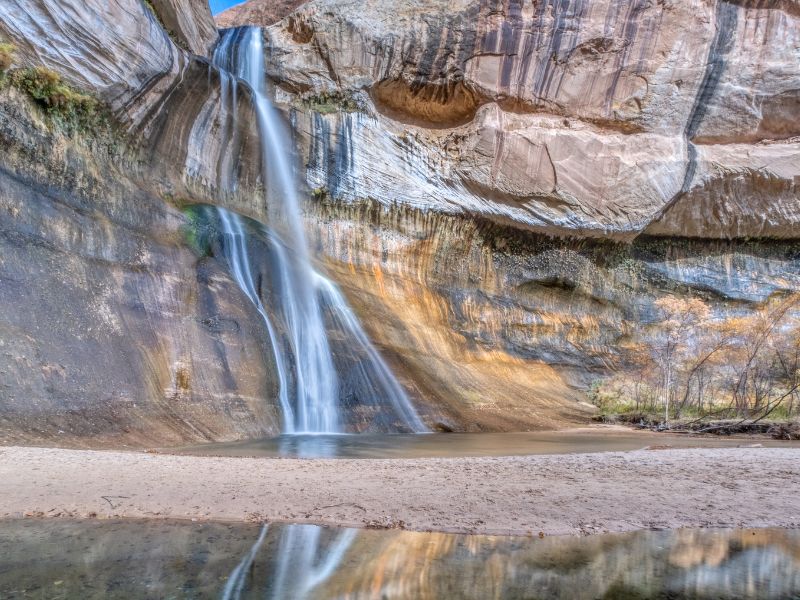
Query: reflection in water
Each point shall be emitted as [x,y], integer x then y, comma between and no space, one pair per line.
[304,562]
[235,585]
[129,559]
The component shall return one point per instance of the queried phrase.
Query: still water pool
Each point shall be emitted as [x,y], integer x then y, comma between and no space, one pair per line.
[132,559]
[438,445]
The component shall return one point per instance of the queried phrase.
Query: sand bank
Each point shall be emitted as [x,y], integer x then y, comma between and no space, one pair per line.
[556,494]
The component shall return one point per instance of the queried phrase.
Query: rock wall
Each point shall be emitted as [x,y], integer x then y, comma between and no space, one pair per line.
[167,100]
[189,22]
[113,331]
[502,188]
[261,13]
[604,119]
[504,329]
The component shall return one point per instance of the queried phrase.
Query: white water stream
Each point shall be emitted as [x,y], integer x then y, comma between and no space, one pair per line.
[309,382]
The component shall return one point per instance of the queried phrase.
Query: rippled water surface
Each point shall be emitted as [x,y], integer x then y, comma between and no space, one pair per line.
[130,559]
[465,444]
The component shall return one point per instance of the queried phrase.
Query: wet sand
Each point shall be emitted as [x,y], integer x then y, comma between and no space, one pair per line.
[555,494]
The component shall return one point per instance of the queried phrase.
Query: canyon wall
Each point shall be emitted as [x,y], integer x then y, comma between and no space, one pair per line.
[113,329]
[503,189]
[260,13]
[605,119]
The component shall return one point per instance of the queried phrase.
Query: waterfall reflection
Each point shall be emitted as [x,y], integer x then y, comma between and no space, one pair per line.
[237,580]
[157,559]
[306,561]
[301,563]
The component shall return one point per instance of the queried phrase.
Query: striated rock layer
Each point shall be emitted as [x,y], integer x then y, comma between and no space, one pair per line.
[189,23]
[499,327]
[165,99]
[605,119]
[112,330]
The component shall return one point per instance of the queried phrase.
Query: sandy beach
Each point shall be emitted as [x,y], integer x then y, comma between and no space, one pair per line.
[551,495]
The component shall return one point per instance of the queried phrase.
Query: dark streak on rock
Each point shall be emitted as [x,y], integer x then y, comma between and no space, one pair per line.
[726,21]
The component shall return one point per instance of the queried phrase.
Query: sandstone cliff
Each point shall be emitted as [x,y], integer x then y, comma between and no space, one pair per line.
[112,329]
[257,13]
[605,119]
[502,188]
[188,22]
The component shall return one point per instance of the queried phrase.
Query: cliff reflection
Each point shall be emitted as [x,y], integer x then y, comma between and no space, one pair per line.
[129,559]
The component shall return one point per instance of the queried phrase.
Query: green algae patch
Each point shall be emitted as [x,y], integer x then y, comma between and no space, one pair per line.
[199,231]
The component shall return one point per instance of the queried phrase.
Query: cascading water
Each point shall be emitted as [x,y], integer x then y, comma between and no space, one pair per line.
[237,257]
[306,302]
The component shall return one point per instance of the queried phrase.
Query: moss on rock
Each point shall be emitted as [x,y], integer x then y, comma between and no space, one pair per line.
[7,52]
[199,230]
[73,109]
[332,102]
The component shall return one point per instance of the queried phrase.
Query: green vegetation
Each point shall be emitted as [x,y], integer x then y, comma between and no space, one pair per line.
[319,194]
[199,231]
[74,110]
[7,52]
[153,10]
[327,103]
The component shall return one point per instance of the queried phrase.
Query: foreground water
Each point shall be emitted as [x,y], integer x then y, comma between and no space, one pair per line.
[466,444]
[130,559]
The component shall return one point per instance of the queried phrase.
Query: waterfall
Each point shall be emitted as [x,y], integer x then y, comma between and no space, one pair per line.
[238,259]
[306,302]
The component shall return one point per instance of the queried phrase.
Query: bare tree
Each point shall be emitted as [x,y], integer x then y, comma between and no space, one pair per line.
[676,333]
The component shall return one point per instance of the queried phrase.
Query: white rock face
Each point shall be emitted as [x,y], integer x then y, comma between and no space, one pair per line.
[580,118]
[167,98]
[738,190]
[113,48]
[757,96]
[516,169]
[602,119]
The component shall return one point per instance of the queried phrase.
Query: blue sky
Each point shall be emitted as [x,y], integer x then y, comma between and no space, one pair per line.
[217,6]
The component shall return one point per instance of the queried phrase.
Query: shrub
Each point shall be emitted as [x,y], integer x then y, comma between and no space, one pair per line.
[73,108]
[6,56]
[331,102]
